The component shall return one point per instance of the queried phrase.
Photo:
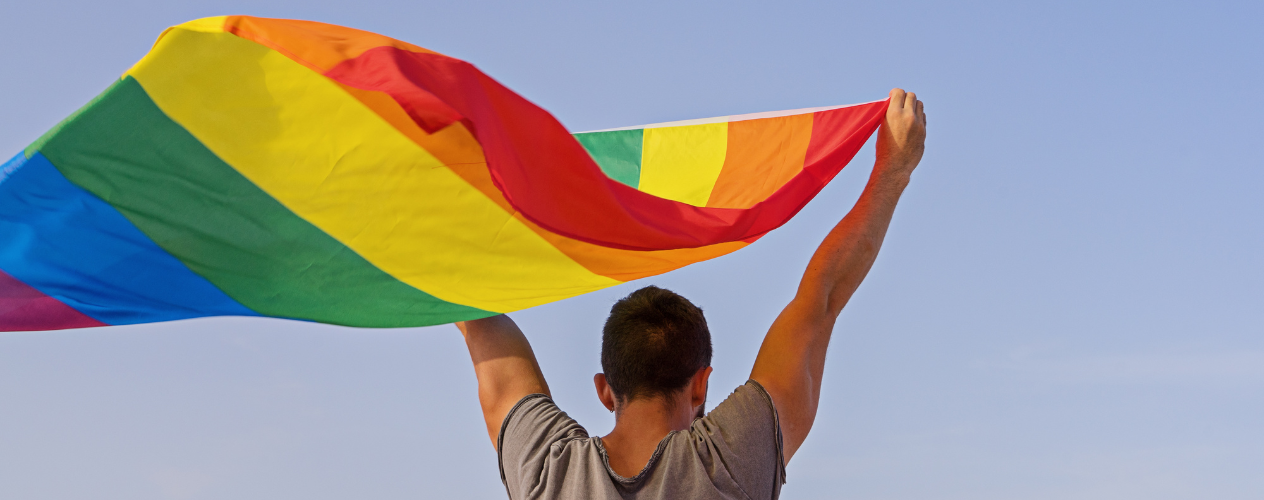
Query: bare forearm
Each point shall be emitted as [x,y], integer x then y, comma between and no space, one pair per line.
[843,260]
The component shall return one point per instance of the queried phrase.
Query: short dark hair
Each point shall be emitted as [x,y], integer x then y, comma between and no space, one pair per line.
[653,342]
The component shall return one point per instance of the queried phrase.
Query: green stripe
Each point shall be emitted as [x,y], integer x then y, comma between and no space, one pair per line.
[43,139]
[618,153]
[126,151]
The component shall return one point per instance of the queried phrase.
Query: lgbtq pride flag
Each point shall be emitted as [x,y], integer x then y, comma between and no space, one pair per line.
[291,169]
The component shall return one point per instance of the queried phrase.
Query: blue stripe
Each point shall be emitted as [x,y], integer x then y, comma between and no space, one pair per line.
[71,245]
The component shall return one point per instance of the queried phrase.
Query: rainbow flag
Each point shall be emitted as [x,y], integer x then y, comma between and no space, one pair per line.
[291,169]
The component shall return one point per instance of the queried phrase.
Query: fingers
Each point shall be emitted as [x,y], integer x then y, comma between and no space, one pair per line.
[897,99]
[902,101]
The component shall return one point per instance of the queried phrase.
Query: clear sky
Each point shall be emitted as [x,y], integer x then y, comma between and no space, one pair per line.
[1063,308]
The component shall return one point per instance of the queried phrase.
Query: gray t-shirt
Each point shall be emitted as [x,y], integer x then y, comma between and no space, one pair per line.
[732,453]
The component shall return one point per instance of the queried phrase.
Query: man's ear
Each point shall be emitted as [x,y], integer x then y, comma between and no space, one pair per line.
[604,392]
[698,389]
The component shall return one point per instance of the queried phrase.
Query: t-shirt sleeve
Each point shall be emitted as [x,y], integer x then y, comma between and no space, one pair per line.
[528,433]
[744,430]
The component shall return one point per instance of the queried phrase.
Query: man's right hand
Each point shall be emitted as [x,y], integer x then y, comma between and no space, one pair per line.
[902,138]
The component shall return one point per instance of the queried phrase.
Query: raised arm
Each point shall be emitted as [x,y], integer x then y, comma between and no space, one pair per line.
[505,366]
[792,357]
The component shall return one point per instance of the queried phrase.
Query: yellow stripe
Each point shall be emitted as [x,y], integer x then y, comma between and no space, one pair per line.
[331,160]
[682,163]
[204,25]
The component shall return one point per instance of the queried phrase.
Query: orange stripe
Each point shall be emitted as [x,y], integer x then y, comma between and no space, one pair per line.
[615,263]
[762,156]
[316,45]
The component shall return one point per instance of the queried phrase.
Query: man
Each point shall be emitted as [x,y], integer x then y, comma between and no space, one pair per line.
[656,357]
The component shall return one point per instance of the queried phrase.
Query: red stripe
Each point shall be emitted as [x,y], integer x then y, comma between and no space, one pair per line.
[427,110]
[23,308]
[547,176]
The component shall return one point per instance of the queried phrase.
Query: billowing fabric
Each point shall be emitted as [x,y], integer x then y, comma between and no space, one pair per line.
[732,453]
[300,170]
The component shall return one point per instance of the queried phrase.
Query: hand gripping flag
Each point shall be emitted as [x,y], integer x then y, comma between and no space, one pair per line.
[300,170]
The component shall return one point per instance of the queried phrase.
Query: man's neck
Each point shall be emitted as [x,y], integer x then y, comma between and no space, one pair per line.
[639,426]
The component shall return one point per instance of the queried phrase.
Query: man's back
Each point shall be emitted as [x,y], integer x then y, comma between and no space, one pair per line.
[734,452]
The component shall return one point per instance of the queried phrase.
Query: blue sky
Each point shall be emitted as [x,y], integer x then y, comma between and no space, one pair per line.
[1067,305]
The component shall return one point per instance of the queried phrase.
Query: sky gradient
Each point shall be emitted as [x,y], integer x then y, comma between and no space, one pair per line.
[1062,308]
